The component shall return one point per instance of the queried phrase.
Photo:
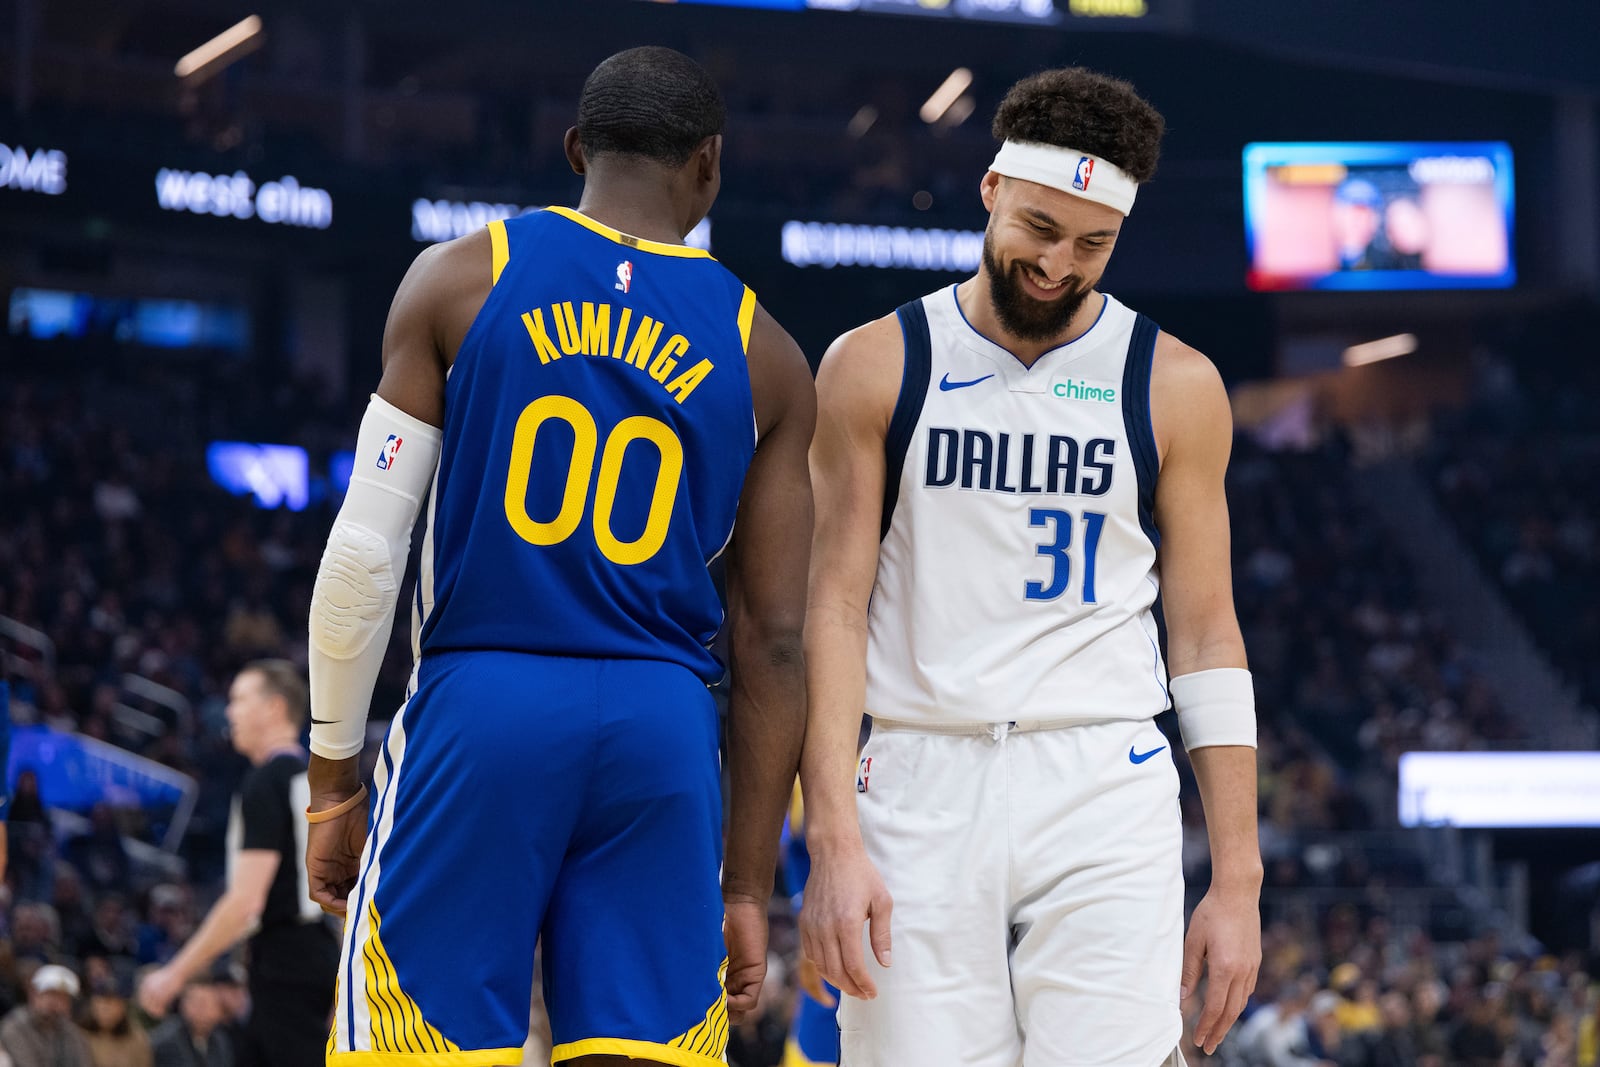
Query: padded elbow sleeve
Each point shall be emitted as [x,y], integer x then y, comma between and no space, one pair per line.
[355,592]
[358,583]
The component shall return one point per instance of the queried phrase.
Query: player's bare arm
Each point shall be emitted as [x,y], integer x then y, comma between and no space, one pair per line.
[857,386]
[766,567]
[1194,434]
[432,310]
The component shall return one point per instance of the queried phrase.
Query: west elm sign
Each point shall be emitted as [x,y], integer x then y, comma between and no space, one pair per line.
[40,170]
[284,202]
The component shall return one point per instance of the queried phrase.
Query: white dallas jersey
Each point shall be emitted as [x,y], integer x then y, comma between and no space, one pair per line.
[1017,568]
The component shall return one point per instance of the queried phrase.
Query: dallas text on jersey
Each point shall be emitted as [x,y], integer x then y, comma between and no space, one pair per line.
[1004,463]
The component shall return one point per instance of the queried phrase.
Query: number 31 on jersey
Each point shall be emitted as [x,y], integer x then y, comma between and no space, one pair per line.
[1059,525]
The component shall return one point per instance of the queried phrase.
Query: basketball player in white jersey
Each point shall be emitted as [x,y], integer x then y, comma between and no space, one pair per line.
[1006,472]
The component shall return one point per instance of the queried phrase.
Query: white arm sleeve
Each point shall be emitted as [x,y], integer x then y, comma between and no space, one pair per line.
[358,583]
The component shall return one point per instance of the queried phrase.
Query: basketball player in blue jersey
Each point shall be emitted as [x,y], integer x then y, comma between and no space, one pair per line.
[1006,472]
[593,404]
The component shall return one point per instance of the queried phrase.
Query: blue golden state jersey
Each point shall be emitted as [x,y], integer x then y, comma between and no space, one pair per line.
[598,426]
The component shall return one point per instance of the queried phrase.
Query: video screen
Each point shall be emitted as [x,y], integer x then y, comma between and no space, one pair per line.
[1375,215]
[49,313]
[274,475]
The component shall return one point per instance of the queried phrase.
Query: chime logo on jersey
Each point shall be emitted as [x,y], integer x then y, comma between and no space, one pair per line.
[1080,180]
[387,454]
[625,275]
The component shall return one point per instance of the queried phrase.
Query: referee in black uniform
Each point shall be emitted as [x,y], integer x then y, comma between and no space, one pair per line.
[294,955]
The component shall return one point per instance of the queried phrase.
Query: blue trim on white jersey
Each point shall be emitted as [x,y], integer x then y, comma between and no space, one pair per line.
[1136,420]
[914,377]
[1105,302]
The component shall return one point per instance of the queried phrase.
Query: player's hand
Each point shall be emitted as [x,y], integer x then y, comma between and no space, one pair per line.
[1224,935]
[812,983]
[744,928]
[333,853]
[843,892]
[157,991]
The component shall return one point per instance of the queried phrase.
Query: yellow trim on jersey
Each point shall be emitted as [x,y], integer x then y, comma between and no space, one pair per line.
[629,240]
[703,1045]
[793,1057]
[639,1050]
[397,1022]
[488,1057]
[710,1036]
[747,315]
[499,247]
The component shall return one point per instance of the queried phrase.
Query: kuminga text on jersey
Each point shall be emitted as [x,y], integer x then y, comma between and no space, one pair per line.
[1007,463]
[586,330]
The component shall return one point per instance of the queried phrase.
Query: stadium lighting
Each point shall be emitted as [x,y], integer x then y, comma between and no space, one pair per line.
[948,93]
[862,121]
[1401,344]
[233,43]
[960,111]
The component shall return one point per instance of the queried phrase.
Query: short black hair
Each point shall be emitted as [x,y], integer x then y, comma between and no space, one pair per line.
[652,102]
[1080,109]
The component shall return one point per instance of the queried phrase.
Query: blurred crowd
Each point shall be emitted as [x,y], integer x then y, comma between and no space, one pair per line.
[1519,474]
[115,544]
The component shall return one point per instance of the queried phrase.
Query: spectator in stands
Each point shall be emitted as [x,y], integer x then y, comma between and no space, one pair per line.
[115,1040]
[35,933]
[1476,1039]
[1427,1031]
[111,932]
[73,918]
[1279,1034]
[195,1036]
[30,840]
[1589,1033]
[171,921]
[41,1033]
[1394,1044]
[99,854]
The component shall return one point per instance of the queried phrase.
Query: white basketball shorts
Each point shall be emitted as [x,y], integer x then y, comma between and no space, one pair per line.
[1038,898]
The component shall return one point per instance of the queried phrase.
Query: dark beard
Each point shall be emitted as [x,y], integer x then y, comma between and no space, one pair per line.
[1025,317]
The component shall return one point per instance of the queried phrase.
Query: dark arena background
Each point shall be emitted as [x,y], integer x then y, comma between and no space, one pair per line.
[1381,220]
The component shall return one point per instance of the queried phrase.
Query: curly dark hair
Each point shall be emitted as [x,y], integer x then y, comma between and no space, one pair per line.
[1077,108]
[652,102]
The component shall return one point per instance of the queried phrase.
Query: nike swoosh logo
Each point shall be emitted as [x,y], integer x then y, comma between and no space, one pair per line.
[1140,757]
[322,722]
[945,384]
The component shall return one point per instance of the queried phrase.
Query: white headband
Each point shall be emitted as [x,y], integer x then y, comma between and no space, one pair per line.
[1069,170]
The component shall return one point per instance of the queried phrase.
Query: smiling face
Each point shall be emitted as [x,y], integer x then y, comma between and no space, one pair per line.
[1044,252]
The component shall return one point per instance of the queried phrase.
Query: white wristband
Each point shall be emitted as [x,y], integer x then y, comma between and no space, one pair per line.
[1215,707]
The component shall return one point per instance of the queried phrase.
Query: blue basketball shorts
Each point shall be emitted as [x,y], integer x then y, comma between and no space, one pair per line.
[521,796]
[814,1035]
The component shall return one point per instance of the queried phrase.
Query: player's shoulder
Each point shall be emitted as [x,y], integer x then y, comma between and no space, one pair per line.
[1188,399]
[1181,367]
[863,367]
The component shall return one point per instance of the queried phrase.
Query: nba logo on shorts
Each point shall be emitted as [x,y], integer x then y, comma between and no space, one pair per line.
[1080,180]
[863,774]
[625,275]
[386,456]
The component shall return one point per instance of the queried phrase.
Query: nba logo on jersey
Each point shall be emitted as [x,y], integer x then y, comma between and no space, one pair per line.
[625,275]
[1080,180]
[863,774]
[387,454]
